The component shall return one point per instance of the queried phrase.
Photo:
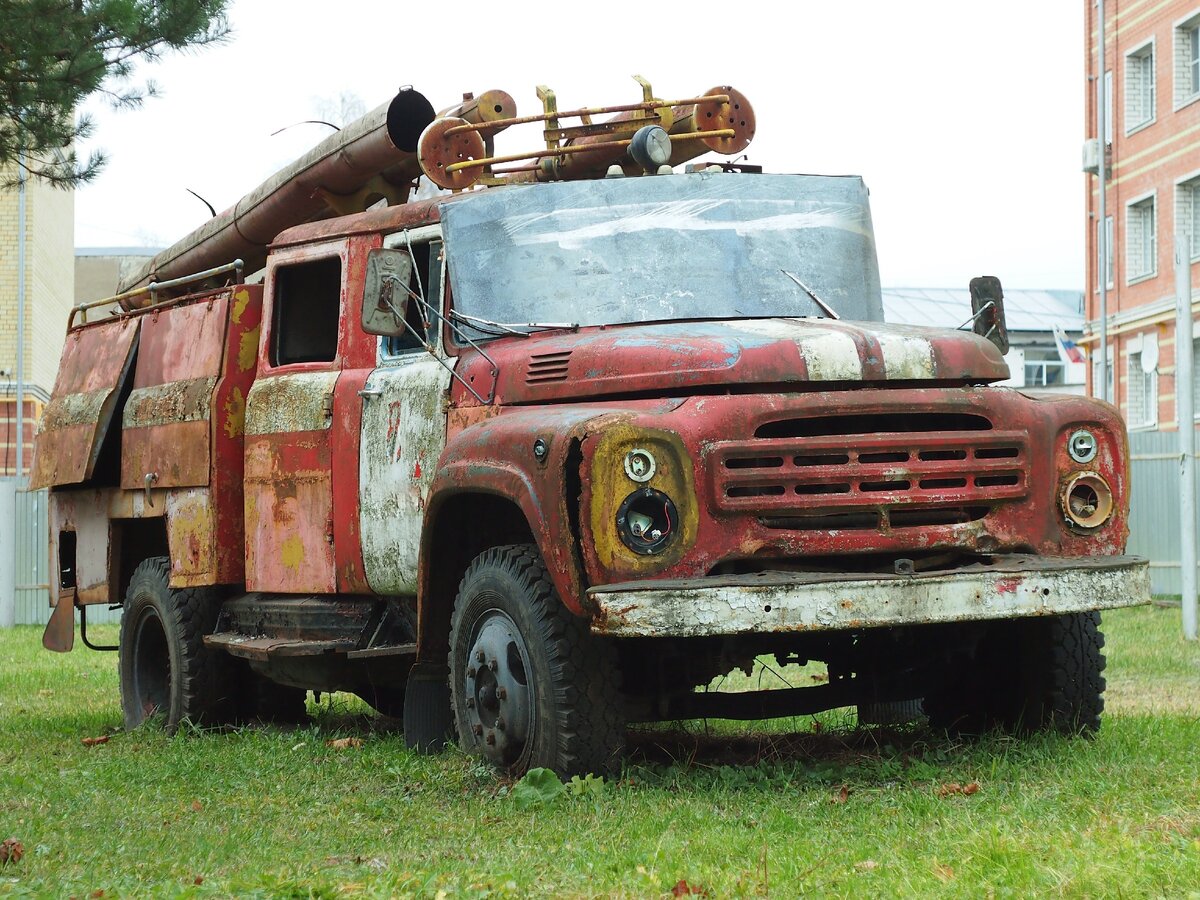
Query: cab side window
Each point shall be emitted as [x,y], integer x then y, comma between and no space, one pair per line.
[307,310]
[425,282]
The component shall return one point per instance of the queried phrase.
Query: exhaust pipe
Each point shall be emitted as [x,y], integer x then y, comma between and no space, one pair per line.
[372,157]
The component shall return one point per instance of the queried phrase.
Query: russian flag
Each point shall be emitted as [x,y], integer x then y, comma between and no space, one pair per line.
[1068,351]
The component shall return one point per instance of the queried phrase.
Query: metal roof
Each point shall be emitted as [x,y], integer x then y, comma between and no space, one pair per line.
[1024,310]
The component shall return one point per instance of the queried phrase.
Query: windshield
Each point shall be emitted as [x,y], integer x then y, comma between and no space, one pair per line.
[649,249]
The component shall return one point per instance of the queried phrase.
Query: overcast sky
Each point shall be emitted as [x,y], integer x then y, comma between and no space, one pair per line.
[964,118]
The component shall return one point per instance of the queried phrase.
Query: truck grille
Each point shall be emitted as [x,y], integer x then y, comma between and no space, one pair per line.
[912,472]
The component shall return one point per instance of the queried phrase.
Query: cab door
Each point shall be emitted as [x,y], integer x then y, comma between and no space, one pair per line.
[291,441]
[403,429]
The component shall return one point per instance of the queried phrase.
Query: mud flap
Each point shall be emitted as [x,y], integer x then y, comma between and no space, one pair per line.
[60,630]
[428,722]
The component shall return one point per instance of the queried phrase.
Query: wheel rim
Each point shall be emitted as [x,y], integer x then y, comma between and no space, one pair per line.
[499,702]
[151,667]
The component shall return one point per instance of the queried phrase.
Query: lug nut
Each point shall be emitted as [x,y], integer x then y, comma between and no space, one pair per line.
[479,657]
[500,723]
[502,693]
[471,671]
[470,703]
[494,665]
[477,729]
[491,738]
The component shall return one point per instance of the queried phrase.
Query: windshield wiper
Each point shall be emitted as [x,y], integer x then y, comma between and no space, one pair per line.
[501,328]
[825,307]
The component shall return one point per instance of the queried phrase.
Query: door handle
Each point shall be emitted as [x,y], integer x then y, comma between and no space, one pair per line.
[368,393]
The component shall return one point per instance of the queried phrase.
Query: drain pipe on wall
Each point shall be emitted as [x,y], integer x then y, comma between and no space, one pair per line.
[1185,407]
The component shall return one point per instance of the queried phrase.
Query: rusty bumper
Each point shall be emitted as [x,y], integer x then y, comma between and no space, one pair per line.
[1004,587]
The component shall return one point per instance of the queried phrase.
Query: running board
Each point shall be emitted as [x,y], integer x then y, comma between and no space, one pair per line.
[264,649]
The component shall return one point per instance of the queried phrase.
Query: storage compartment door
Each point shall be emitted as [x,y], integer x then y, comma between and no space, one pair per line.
[95,363]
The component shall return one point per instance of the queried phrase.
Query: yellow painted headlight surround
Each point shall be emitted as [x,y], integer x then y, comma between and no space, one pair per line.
[611,484]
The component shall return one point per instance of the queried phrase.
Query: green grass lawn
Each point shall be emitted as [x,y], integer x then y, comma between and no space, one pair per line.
[816,809]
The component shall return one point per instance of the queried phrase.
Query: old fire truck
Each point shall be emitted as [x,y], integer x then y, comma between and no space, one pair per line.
[582,430]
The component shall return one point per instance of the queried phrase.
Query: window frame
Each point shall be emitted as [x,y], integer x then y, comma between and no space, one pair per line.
[1148,199]
[1141,53]
[1189,182]
[1185,33]
[286,260]
[401,240]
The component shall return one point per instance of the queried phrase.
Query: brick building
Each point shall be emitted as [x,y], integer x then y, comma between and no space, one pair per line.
[49,293]
[1152,141]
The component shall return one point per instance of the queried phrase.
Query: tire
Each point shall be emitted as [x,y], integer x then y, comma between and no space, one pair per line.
[166,672]
[1062,688]
[530,686]
[1027,675]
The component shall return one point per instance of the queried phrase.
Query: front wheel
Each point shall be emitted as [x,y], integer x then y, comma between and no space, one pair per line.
[530,685]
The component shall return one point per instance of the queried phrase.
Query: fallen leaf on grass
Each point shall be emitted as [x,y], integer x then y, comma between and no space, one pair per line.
[945,873]
[347,743]
[198,880]
[92,742]
[955,788]
[840,795]
[683,889]
[866,865]
[11,851]
[197,806]
[97,894]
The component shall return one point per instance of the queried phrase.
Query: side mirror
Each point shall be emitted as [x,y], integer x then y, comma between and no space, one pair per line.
[987,310]
[385,292]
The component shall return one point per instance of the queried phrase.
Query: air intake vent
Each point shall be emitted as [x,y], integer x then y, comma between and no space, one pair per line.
[547,368]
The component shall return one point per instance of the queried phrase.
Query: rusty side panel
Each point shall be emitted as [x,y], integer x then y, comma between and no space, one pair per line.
[166,418]
[228,424]
[192,537]
[95,361]
[86,514]
[289,495]
[359,352]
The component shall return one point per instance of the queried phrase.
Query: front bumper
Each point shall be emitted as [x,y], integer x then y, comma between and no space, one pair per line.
[1007,586]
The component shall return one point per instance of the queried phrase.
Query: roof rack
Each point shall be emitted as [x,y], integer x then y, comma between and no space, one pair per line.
[455,153]
[124,307]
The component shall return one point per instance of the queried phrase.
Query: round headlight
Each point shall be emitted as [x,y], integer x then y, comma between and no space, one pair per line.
[1082,446]
[1087,500]
[647,521]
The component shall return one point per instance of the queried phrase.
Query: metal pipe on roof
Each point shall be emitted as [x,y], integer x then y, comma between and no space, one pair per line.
[344,166]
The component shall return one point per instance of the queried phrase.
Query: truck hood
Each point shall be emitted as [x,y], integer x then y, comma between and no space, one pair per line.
[673,357]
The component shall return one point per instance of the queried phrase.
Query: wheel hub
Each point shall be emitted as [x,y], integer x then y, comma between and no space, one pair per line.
[499,701]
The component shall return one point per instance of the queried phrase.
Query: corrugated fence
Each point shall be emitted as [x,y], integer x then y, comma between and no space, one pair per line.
[33,569]
[1154,506]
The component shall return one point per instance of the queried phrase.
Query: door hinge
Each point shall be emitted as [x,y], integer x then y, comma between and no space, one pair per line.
[327,405]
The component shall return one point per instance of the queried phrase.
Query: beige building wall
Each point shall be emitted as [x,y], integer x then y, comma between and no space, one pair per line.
[49,295]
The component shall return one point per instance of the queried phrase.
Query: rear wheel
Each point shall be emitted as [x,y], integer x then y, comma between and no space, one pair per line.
[166,672]
[530,685]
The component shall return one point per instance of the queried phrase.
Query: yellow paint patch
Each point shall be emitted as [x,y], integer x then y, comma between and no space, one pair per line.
[248,350]
[291,553]
[610,486]
[235,413]
[240,301]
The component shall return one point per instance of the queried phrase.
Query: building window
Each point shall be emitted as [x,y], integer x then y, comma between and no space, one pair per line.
[1187,212]
[1104,263]
[1141,391]
[1141,244]
[1139,87]
[1187,60]
[1109,395]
